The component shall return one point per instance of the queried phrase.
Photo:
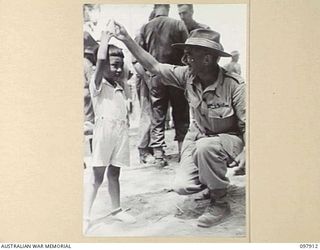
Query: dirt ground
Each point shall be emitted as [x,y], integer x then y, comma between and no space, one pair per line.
[146,194]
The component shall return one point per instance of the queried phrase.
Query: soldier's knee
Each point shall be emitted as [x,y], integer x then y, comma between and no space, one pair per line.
[201,146]
[205,145]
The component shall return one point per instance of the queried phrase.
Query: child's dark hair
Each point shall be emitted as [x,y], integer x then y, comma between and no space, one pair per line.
[115,51]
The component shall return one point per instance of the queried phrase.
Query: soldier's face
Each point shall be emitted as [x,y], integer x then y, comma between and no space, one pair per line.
[199,59]
[193,59]
[235,58]
[91,13]
[185,14]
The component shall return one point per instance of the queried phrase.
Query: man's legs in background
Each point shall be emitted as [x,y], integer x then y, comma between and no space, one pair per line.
[159,101]
[180,114]
[145,151]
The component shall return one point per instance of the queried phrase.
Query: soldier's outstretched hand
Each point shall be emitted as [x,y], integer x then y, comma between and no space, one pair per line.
[240,160]
[240,163]
[120,32]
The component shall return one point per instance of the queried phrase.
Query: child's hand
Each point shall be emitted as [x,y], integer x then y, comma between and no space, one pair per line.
[103,48]
[105,36]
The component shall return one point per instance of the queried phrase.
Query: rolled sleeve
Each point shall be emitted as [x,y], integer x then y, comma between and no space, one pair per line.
[173,75]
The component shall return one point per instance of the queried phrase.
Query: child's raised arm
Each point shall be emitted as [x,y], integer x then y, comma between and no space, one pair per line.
[101,58]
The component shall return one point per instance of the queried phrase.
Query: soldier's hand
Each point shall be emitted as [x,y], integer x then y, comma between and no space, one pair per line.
[239,161]
[120,32]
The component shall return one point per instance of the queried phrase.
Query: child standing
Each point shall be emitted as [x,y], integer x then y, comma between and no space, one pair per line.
[110,134]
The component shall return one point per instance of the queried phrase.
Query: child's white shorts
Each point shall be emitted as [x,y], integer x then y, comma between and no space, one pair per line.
[110,144]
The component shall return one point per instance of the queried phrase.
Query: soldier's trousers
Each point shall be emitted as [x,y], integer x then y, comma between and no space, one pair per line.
[145,115]
[204,161]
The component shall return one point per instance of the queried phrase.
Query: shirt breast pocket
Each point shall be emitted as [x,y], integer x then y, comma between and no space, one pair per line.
[222,119]
[220,112]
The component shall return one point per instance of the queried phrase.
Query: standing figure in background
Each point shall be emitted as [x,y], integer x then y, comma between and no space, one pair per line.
[143,79]
[186,15]
[91,14]
[234,66]
[90,53]
[156,37]
[144,135]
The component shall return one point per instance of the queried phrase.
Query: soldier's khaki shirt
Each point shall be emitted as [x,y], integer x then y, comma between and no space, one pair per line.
[220,108]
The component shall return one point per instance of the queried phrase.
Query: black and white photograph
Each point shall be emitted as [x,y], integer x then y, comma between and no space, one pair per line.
[165,97]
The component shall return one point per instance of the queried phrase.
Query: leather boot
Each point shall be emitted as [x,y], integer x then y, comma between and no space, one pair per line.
[160,157]
[146,157]
[217,211]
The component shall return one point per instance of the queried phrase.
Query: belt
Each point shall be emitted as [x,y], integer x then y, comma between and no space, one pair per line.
[209,133]
[109,119]
[206,131]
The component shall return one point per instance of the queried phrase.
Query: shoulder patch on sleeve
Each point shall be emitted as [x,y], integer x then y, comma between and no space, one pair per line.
[235,77]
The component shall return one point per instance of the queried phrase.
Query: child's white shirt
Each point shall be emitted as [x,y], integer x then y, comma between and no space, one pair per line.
[108,101]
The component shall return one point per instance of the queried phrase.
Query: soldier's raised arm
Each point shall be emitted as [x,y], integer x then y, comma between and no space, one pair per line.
[143,57]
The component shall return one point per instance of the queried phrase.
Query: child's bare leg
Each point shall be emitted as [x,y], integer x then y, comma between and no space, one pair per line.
[92,189]
[113,174]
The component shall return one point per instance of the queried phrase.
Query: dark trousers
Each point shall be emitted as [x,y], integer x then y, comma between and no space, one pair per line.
[145,116]
[160,96]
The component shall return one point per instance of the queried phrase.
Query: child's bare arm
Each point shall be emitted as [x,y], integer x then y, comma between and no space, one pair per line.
[101,58]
